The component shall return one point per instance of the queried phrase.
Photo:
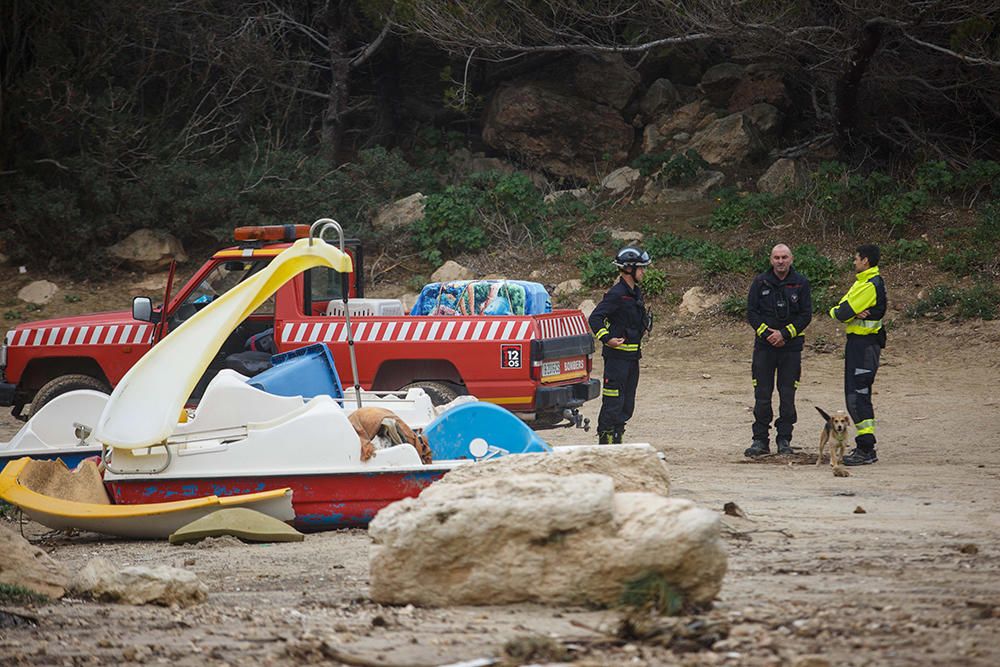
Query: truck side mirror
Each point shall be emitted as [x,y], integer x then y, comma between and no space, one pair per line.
[142,309]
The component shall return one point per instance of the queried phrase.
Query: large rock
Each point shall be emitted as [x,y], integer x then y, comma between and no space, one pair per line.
[660,97]
[605,79]
[452,270]
[582,194]
[719,82]
[784,175]
[401,213]
[704,183]
[38,292]
[683,120]
[27,566]
[567,287]
[530,119]
[626,235]
[162,585]
[541,538]
[731,140]
[697,300]
[632,469]
[750,91]
[148,250]
[620,180]
[766,118]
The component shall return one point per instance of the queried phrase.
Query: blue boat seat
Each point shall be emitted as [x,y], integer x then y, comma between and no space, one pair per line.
[451,433]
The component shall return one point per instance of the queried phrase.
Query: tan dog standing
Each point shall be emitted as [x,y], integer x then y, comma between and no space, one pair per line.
[836,429]
[381,427]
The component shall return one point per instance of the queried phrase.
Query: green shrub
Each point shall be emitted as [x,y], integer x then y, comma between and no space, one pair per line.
[654,593]
[975,253]
[818,268]
[735,306]
[671,168]
[897,209]
[712,258]
[12,594]
[937,300]
[979,301]
[907,250]
[982,300]
[654,282]
[492,208]
[596,269]
[758,209]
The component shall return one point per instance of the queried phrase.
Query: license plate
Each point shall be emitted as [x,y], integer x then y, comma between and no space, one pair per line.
[550,368]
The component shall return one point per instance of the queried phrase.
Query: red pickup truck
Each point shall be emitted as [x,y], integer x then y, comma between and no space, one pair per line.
[537,366]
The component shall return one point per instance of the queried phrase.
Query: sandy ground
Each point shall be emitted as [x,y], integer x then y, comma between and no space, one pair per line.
[912,577]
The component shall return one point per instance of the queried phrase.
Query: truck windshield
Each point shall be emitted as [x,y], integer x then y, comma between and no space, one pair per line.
[324,286]
[222,278]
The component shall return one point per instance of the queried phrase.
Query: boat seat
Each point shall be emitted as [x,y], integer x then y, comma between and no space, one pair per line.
[230,402]
[450,435]
[52,427]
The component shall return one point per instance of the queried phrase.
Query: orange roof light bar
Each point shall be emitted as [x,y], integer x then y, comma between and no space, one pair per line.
[271,233]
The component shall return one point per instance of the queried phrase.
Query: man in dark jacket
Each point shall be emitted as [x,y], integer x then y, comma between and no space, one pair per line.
[779,308]
[619,322]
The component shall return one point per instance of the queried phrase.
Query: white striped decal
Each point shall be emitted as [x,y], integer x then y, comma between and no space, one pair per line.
[389,328]
[419,331]
[479,330]
[432,335]
[373,334]
[508,327]
[462,330]
[115,334]
[493,330]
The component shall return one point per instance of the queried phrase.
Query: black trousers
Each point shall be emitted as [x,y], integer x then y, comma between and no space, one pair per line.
[861,360]
[621,378]
[786,363]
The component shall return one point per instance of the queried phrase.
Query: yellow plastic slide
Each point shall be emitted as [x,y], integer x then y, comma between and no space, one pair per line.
[153,520]
[143,408]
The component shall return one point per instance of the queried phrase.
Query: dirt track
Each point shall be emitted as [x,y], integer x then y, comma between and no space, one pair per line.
[915,579]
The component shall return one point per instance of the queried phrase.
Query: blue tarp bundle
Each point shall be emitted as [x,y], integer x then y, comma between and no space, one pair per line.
[483,297]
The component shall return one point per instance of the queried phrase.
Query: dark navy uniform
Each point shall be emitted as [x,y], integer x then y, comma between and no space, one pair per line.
[620,314]
[784,305]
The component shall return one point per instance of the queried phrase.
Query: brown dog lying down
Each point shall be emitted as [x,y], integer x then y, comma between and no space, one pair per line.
[380,428]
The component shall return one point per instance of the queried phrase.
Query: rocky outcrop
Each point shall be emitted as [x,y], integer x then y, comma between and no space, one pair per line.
[541,538]
[567,287]
[657,192]
[29,567]
[730,140]
[531,119]
[719,82]
[684,120]
[620,180]
[148,250]
[452,270]
[751,90]
[766,118]
[605,79]
[401,213]
[782,176]
[661,97]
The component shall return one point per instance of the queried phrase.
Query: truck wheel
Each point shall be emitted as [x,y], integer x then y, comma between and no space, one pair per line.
[439,392]
[62,384]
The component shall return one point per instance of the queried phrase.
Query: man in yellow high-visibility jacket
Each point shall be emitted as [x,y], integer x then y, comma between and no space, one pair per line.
[862,310]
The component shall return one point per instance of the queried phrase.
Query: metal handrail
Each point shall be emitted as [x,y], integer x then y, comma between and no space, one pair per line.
[324,224]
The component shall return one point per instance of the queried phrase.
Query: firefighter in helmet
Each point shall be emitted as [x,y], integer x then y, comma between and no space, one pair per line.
[619,322]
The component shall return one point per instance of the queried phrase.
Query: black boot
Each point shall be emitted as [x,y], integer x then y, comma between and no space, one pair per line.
[616,437]
[605,437]
[861,457]
[757,448]
[784,446]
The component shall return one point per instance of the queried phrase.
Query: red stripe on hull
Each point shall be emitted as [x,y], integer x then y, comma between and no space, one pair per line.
[321,502]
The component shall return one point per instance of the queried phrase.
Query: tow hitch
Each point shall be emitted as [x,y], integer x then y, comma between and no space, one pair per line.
[576,419]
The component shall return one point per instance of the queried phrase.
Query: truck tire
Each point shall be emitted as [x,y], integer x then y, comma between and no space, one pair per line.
[440,393]
[64,383]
